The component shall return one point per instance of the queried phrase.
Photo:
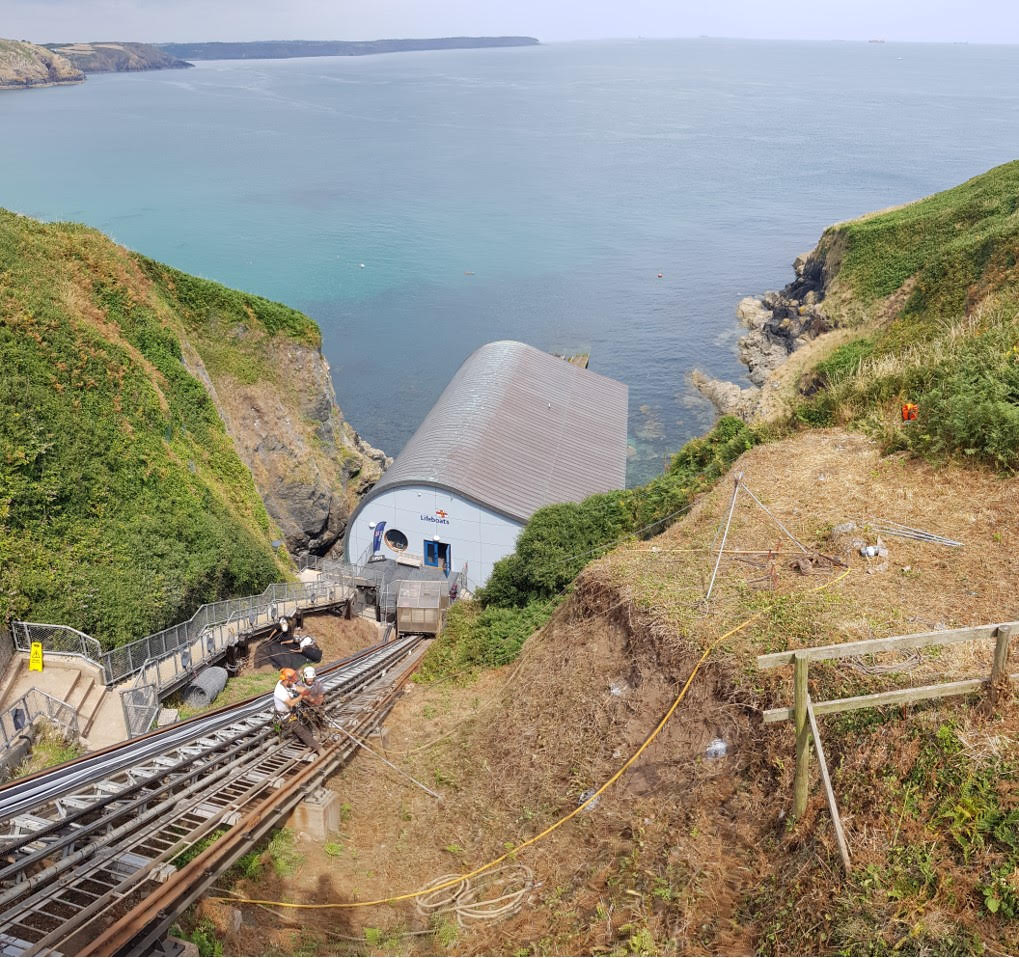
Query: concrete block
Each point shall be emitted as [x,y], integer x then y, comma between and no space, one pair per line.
[167,717]
[318,816]
[179,947]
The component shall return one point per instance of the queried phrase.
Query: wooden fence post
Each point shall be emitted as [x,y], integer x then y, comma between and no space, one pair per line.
[800,665]
[999,668]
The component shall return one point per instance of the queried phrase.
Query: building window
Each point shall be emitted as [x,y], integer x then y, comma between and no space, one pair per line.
[396,540]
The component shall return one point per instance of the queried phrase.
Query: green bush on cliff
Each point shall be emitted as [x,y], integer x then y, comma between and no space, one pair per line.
[964,380]
[948,246]
[123,504]
[525,587]
[560,540]
[476,637]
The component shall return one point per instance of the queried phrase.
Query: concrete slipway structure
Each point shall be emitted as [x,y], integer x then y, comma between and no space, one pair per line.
[516,429]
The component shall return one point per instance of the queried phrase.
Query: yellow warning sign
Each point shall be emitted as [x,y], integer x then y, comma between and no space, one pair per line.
[35,658]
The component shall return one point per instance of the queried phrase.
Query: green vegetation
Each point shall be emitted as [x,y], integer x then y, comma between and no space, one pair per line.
[954,246]
[283,854]
[122,499]
[560,540]
[939,280]
[50,748]
[482,637]
[947,881]
[238,688]
[203,934]
[190,854]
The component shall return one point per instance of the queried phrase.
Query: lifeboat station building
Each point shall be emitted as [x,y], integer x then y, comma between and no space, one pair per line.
[516,429]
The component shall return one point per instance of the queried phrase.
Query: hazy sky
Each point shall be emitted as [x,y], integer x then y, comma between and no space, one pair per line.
[990,21]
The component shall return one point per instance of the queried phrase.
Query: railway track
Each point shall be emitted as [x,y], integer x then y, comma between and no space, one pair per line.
[94,855]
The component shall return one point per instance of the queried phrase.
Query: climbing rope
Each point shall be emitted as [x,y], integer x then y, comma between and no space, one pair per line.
[462,899]
[458,880]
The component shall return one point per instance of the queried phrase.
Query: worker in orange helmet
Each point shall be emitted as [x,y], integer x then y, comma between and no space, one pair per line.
[286,697]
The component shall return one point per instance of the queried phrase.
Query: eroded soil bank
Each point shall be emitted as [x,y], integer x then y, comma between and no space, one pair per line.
[687,853]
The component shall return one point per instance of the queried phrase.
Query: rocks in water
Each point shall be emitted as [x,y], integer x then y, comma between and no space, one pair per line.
[777,324]
[728,398]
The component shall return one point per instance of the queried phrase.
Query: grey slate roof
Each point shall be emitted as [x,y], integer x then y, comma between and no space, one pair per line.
[517,429]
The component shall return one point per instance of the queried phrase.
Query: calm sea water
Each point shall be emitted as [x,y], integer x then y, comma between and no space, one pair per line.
[530,193]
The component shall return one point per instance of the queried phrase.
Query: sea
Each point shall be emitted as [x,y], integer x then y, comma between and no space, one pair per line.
[616,198]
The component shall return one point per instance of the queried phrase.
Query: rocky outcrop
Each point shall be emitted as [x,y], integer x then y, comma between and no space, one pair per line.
[110,57]
[309,465]
[778,324]
[24,65]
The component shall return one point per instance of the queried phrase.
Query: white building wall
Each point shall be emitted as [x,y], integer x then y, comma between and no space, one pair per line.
[476,535]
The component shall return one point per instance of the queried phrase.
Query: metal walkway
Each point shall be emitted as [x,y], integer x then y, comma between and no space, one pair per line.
[91,852]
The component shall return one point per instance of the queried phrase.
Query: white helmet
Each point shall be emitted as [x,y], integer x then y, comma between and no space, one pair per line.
[309,673]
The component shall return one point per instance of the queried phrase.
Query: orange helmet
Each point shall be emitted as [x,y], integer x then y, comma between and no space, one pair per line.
[288,675]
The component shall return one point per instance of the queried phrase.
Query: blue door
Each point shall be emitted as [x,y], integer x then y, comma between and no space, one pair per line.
[438,554]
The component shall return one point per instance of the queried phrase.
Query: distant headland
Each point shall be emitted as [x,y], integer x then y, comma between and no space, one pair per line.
[24,65]
[284,49]
[117,57]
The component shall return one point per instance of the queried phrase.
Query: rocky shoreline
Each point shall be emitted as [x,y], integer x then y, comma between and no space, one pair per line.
[778,324]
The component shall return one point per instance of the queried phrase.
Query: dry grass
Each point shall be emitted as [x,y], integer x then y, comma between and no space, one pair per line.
[685,854]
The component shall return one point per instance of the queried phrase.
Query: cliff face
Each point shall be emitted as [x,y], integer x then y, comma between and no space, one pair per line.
[308,463]
[158,432]
[274,393]
[899,276]
[110,57]
[24,65]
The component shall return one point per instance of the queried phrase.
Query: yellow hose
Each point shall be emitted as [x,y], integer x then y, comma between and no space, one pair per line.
[562,821]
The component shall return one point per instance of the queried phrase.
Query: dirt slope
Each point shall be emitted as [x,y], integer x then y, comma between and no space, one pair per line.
[689,854]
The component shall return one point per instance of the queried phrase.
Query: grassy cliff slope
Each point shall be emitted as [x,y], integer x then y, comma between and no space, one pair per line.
[25,64]
[120,57]
[933,288]
[940,256]
[123,503]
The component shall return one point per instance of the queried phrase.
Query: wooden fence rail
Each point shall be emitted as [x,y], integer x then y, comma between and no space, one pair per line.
[804,711]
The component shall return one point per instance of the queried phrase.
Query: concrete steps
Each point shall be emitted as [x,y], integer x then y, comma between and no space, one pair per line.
[76,682]
[12,679]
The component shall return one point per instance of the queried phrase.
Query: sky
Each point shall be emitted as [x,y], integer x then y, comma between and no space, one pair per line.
[977,21]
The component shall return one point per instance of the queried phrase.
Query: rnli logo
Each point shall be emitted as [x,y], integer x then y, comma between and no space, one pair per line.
[441,514]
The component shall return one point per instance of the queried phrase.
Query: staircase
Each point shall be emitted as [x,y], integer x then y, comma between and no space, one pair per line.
[76,682]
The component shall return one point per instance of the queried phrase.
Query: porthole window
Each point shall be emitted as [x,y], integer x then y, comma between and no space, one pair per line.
[396,540]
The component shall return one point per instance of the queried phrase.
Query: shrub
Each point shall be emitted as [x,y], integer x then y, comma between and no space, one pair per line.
[477,637]
[560,540]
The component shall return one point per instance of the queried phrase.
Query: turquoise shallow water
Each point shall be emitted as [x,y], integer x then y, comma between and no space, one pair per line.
[530,193]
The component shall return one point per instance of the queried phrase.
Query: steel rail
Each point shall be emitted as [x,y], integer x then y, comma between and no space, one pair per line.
[115,794]
[149,823]
[140,928]
[29,792]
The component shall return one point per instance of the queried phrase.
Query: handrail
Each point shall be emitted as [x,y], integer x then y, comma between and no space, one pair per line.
[6,647]
[60,639]
[28,707]
[212,627]
[141,702]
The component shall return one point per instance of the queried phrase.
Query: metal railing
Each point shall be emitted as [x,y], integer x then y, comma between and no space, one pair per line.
[33,704]
[56,639]
[141,701]
[187,646]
